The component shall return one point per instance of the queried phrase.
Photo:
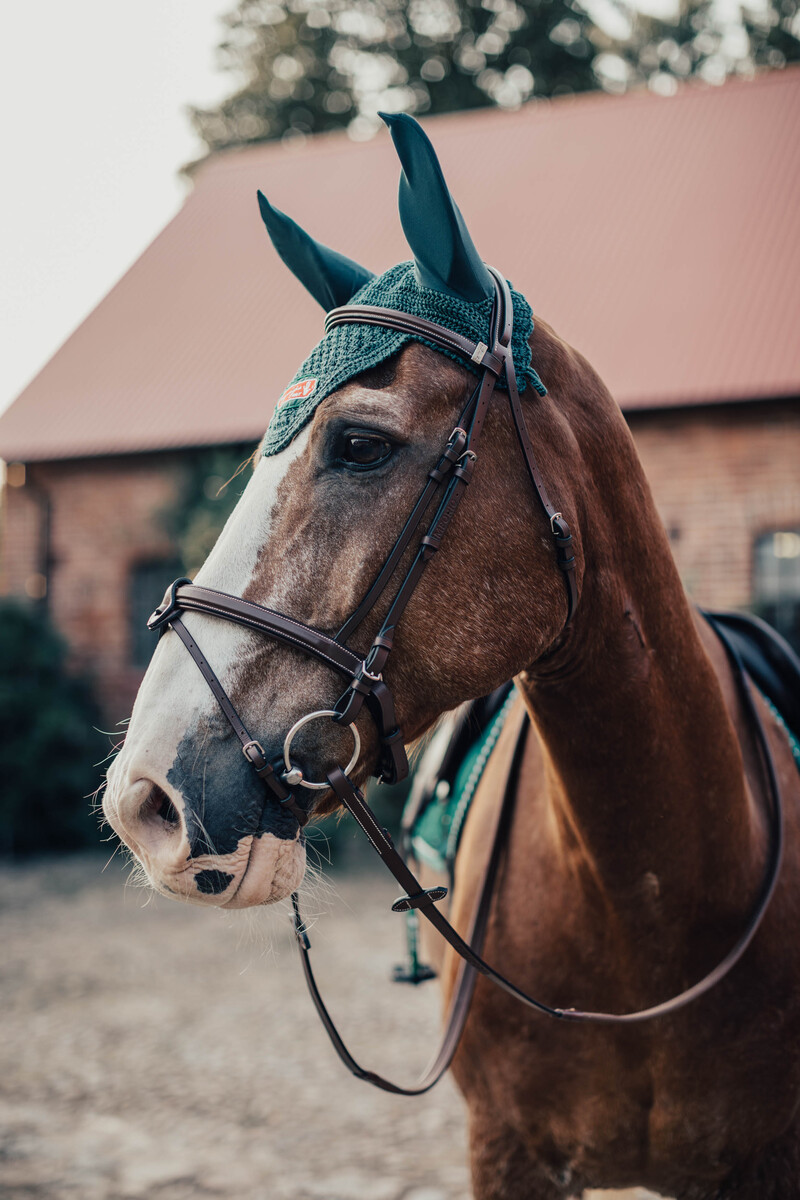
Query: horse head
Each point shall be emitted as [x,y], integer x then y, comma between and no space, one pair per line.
[350,449]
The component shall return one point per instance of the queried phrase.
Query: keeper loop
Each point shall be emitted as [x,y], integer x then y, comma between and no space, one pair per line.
[419,899]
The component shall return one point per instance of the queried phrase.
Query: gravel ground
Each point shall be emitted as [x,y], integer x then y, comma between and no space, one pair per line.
[152,1050]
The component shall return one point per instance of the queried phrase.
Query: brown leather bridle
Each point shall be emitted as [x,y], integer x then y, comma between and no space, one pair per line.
[447,482]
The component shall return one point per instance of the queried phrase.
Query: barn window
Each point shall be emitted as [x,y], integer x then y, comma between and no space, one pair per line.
[148,582]
[776,590]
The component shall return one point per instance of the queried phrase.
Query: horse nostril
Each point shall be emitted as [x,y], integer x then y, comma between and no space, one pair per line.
[159,810]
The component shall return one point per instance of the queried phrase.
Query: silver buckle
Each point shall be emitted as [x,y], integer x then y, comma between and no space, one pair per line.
[258,747]
[367,674]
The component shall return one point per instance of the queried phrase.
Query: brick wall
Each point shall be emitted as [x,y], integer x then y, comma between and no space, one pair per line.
[721,477]
[104,519]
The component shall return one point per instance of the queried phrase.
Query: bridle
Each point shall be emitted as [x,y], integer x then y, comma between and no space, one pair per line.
[446,483]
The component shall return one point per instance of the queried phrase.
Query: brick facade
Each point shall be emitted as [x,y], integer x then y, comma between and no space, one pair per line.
[721,477]
[103,521]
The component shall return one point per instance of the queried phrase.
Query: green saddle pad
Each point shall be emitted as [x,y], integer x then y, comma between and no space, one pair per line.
[436,831]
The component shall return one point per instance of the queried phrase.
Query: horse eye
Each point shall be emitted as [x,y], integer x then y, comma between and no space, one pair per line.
[364,450]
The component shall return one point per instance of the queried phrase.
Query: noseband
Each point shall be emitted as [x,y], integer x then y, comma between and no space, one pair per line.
[447,482]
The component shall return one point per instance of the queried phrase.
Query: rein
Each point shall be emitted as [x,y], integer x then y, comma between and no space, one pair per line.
[447,482]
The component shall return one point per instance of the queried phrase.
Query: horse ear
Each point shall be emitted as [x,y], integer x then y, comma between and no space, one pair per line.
[331,278]
[445,255]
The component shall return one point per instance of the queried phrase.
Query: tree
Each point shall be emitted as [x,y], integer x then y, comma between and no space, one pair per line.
[50,749]
[310,67]
[704,39]
[307,66]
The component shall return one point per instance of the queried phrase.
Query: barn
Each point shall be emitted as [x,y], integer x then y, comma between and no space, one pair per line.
[658,235]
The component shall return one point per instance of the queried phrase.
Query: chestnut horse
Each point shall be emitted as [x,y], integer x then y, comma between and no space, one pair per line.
[640,833]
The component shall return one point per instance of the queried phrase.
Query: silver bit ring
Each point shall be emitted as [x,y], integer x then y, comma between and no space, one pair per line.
[298,725]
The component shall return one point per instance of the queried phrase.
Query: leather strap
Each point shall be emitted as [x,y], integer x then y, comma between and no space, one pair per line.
[184,595]
[436,476]
[190,597]
[495,362]
[252,750]
[391,318]
[470,952]
[558,526]
[466,978]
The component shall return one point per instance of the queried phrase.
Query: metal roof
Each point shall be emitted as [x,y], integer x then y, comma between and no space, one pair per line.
[658,236]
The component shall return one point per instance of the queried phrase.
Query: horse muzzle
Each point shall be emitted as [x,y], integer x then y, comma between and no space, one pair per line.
[214,845]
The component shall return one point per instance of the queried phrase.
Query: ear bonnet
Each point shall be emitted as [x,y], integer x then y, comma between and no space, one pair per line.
[447,283]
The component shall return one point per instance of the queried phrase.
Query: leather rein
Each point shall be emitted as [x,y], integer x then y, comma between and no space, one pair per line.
[447,481]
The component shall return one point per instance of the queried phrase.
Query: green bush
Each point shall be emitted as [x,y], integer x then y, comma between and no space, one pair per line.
[49,743]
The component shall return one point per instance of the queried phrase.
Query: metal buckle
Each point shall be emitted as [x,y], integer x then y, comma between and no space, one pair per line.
[555,517]
[295,771]
[479,353]
[257,746]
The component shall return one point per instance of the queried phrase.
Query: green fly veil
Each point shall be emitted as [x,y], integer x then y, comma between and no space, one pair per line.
[446,282]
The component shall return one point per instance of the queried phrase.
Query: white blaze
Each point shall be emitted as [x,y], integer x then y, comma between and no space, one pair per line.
[174,696]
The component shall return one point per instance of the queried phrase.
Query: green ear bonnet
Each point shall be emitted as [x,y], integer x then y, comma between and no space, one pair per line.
[446,283]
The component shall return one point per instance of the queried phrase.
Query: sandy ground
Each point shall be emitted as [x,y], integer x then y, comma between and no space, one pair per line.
[152,1050]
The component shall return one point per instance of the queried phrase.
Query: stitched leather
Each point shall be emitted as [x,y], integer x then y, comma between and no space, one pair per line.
[390,318]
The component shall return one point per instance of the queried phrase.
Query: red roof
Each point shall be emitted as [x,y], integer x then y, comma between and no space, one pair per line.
[658,236]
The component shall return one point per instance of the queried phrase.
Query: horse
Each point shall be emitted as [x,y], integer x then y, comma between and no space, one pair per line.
[640,836]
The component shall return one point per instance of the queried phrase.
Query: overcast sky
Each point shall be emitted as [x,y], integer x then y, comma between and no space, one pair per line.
[94,95]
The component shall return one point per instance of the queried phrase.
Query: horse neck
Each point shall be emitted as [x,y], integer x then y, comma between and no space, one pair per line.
[643,764]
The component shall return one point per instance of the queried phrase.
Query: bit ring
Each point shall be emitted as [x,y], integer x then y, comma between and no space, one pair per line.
[298,725]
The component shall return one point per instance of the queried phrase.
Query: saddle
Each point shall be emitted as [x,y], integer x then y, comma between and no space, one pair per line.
[768,659]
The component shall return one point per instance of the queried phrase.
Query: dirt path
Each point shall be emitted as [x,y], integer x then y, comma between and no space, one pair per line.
[151,1050]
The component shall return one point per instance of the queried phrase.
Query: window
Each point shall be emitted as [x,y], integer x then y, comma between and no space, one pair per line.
[776,590]
[147,584]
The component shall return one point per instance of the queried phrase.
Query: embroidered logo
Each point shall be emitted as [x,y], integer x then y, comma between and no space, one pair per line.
[298,391]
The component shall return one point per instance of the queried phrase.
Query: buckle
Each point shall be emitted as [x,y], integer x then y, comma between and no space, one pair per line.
[258,758]
[365,673]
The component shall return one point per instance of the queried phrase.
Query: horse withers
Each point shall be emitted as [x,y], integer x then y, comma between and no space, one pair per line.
[641,829]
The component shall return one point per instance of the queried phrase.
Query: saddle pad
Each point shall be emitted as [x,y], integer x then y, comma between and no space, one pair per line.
[437,827]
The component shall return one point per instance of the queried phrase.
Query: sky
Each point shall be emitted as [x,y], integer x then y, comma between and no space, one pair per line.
[94,94]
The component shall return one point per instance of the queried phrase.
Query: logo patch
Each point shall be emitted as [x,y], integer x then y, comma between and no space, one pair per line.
[298,391]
